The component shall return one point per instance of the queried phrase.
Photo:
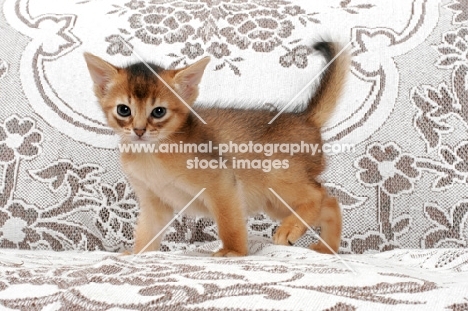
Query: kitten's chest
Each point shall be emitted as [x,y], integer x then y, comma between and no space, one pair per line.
[153,172]
[166,182]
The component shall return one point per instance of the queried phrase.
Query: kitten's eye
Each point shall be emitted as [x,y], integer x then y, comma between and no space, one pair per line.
[124,110]
[158,112]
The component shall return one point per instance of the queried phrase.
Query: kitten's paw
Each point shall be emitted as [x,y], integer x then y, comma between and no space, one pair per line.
[288,234]
[228,253]
[321,248]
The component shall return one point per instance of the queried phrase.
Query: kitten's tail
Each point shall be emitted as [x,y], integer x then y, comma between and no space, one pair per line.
[322,104]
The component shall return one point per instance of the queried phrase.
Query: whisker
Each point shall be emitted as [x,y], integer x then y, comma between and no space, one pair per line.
[168,140]
[162,131]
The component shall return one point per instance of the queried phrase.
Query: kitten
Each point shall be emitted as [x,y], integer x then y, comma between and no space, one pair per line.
[141,109]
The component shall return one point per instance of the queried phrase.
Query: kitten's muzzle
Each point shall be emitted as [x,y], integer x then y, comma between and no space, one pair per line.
[139,132]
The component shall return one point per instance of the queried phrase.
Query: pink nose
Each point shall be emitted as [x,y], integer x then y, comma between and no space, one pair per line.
[139,132]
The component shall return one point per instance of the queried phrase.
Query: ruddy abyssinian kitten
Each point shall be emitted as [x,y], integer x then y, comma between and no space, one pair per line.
[141,109]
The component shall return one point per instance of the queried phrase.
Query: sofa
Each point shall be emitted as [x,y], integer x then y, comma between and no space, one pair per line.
[67,212]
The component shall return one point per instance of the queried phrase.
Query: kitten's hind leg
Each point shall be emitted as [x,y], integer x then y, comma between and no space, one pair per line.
[330,222]
[321,211]
[292,228]
[307,208]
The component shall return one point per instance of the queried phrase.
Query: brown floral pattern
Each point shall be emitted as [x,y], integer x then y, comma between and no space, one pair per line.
[192,50]
[297,56]
[385,166]
[116,216]
[175,281]
[448,229]
[66,224]
[436,105]
[18,138]
[456,158]
[461,164]
[263,30]
[118,45]
[200,25]
[194,231]
[454,49]
[348,7]
[135,4]
[16,221]
[460,7]
[219,50]
[293,10]
[156,24]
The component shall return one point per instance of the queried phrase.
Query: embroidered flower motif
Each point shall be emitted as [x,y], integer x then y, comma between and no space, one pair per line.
[135,4]
[219,50]
[462,163]
[264,29]
[247,24]
[192,50]
[188,232]
[18,138]
[156,23]
[117,46]
[297,56]
[205,10]
[387,167]
[294,10]
[461,9]
[117,215]
[453,49]
[16,222]
[457,158]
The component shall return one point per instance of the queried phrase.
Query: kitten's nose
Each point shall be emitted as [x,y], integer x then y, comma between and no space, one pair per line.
[139,132]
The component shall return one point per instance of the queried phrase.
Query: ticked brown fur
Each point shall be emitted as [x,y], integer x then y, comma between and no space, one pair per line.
[163,183]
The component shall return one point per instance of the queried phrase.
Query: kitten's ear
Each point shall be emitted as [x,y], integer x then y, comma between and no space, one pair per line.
[187,79]
[101,72]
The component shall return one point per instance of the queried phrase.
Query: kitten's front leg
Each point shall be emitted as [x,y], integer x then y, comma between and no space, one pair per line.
[228,213]
[154,215]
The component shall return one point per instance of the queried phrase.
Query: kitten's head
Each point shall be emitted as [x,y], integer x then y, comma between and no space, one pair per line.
[137,104]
